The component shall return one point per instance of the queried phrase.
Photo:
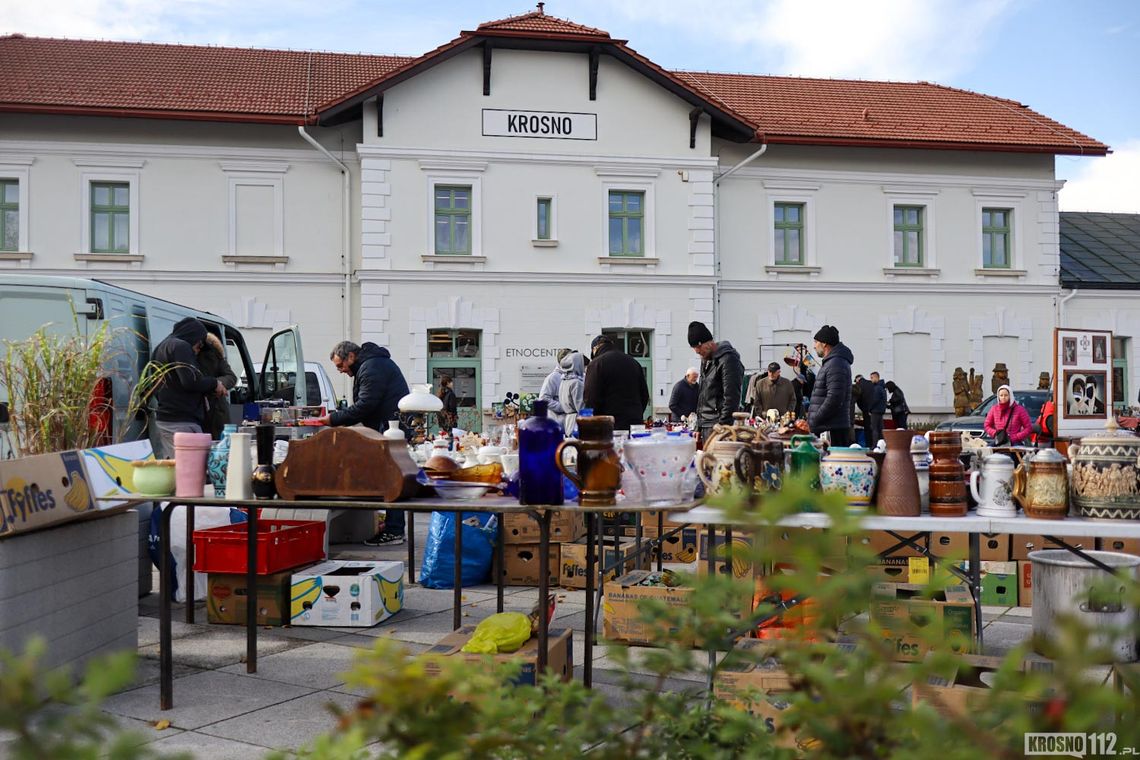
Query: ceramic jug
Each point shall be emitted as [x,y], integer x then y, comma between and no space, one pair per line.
[897,492]
[804,459]
[768,465]
[598,474]
[725,467]
[947,477]
[1106,475]
[1041,485]
[658,464]
[849,471]
[992,487]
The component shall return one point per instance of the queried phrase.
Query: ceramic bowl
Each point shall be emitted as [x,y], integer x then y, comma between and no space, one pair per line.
[458,490]
[153,477]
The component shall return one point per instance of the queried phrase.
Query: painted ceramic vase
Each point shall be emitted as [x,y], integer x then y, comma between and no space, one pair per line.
[659,463]
[897,494]
[1041,485]
[1106,476]
[218,462]
[947,476]
[849,471]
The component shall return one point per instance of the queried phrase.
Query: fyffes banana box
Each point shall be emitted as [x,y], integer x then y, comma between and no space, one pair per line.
[348,593]
[43,490]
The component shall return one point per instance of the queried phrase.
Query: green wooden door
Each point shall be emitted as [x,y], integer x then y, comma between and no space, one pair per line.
[456,353]
[639,345]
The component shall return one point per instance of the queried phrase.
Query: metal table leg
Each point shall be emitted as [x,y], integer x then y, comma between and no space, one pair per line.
[500,576]
[165,587]
[251,592]
[457,599]
[591,568]
[976,584]
[543,590]
[712,652]
[189,570]
[410,522]
[660,533]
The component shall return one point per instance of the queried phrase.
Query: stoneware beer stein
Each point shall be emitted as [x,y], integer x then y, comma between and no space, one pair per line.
[1041,485]
[992,487]
[1106,475]
[726,466]
[598,475]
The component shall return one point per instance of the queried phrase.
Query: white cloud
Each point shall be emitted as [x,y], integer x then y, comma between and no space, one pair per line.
[1108,184]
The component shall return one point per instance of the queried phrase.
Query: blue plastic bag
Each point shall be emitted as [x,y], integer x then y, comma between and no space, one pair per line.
[480,531]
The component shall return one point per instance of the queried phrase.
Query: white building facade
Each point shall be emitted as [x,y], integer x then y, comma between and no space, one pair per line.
[534,183]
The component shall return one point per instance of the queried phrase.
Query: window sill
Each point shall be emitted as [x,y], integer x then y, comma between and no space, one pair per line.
[436,258]
[636,261]
[544,243]
[1000,272]
[240,259]
[110,257]
[16,255]
[792,269]
[911,272]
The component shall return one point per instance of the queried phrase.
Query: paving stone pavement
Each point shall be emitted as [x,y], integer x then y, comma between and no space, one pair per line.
[221,712]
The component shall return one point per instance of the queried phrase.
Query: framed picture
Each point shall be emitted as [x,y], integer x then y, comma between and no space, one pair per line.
[1069,352]
[1099,349]
[1084,394]
[497,409]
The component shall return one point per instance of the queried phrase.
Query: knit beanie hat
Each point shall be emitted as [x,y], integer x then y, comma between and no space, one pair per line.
[698,334]
[828,334]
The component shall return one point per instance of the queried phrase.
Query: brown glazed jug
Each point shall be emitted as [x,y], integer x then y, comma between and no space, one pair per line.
[898,482]
[947,477]
[599,465]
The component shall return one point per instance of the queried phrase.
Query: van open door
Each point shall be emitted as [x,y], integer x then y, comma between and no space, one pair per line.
[282,373]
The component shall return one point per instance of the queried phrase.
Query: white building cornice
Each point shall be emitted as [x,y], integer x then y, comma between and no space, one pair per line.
[612,162]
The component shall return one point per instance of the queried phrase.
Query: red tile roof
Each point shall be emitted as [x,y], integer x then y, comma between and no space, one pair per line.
[912,114]
[285,86]
[177,81]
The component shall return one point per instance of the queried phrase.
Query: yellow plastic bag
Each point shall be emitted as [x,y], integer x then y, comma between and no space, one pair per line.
[502,632]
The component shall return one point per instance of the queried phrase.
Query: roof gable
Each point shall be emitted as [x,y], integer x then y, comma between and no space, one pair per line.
[537,22]
[1100,250]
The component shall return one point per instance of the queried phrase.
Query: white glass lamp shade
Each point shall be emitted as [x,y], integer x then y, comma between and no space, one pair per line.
[421,399]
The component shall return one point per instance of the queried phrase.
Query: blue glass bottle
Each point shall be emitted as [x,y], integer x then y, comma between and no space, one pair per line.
[540,481]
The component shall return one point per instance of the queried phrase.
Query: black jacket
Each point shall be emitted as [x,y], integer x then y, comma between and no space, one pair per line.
[861,393]
[831,397]
[377,387]
[878,404]
[721,378]
[213,362]
[897,403]
[615,385]
[182,395]
[683,399]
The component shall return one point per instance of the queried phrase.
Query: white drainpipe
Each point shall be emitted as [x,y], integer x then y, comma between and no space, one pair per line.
[345,258]
[1061,307]
[716,230]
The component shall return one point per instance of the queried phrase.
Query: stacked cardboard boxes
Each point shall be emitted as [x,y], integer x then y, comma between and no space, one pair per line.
[521,559]
[619,556]
[914,620]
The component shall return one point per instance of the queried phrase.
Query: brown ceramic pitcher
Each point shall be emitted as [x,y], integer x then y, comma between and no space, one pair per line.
[599,465]
[897,493]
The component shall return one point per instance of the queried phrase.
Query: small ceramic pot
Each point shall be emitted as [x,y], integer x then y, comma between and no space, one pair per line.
[849,471]
[153,477]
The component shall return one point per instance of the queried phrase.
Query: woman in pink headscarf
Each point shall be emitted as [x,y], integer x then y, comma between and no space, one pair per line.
[1009,418]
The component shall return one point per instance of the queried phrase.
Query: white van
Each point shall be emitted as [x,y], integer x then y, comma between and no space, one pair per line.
[139,322]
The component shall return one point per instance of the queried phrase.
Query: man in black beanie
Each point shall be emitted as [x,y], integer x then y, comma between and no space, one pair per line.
[182,395]
[615,384]
[830,410]
[722,374]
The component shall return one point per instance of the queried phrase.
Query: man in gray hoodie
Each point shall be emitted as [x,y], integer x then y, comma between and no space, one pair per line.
[550,386]
[830,410]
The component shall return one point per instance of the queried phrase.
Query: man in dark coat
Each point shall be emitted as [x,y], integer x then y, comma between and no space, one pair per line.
[182,394]
[615,384]
[683,399]
[877,408]
[830,410]
[722,374]
[377,387]
[862,390]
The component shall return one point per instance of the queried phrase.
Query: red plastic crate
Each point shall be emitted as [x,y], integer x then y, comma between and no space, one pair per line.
[281,545]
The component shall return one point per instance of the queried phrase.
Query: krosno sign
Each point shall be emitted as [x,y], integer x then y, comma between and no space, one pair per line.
[556,125]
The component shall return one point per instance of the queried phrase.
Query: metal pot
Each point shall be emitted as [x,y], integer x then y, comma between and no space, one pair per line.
[1064,584]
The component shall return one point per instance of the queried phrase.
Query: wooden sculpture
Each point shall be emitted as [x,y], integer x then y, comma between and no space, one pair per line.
[1000,377]
[349,463]
[961,392]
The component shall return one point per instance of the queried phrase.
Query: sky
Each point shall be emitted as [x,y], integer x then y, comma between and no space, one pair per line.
[1076,62]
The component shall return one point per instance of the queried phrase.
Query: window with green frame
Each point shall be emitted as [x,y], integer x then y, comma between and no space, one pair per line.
[908,235]
[453,220]
[627,219]
[110,217]
[9,215]
[545,219]
[789,233]
[996,238]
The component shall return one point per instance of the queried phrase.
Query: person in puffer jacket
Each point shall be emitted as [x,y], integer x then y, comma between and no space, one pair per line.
[830,410]
[722,375]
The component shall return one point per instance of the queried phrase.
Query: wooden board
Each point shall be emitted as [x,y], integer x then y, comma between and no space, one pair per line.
[352,462]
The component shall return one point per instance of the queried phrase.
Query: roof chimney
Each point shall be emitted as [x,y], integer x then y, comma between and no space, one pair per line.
[540,11]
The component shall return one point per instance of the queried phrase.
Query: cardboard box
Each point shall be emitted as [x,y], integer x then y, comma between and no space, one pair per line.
[1022,544]
[572,573]
[521,528]
[679,548]
[902,613]
[348,593]
[892,573]
[779,544]
[521,564]
[559,654]
[621,619]
[994,547]
[1024,583]
[950,546]
[879,541]
[999,583]
[741,554]
[39,491]
[227,596]
[1122,545]
[962,690]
